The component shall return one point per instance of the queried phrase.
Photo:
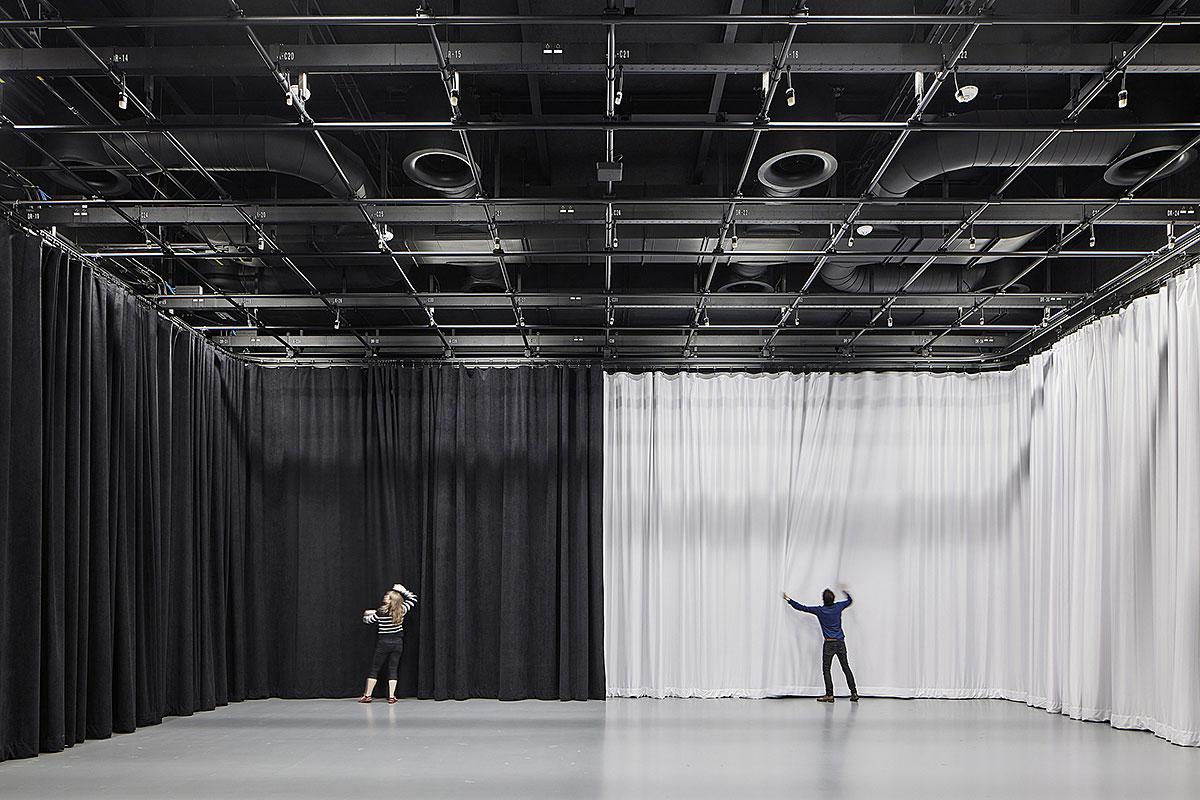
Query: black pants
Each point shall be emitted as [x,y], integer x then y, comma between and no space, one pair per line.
[836,647]
[387,653]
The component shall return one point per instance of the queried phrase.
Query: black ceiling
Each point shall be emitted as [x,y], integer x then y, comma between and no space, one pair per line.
[498,182]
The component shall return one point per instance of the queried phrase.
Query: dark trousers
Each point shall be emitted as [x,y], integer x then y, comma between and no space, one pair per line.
[387,655]
[836,647]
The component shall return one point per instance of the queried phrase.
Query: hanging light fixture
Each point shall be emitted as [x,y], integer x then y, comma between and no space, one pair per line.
[1122,93]
[965,93]
[791,92]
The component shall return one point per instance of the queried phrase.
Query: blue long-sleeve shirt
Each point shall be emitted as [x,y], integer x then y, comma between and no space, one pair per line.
[830,616]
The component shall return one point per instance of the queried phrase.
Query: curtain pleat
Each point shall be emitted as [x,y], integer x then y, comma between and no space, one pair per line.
[179,530]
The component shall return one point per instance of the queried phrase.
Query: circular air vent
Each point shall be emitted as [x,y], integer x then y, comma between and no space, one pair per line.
[1130,170]
[443,171]
[787,173]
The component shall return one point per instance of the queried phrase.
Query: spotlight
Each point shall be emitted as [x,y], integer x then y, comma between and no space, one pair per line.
[791,92]
[1122,93]
[889,318]
[454,84]
[620,93]
[1091,235]
[262,242]
[964,94]
[704,320]
[733,240]
[123,99]
[971,241]
[865,229]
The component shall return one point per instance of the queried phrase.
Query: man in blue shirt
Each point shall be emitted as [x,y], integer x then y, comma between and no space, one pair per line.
[830,616]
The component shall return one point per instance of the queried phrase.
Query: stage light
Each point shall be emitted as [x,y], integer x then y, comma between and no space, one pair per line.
[704,320]
[1122,93]
[620,93]
[454,86]
[733,241]
[889,321]
[971,241]
[791,92]
[1091,235]
[964,94]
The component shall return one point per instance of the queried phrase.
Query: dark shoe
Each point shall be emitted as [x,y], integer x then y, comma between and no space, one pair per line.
[391,701]
[366,698]
[853,698]
[827,698]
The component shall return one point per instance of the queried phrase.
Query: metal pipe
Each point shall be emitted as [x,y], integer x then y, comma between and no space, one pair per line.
[750,126]
[641,20]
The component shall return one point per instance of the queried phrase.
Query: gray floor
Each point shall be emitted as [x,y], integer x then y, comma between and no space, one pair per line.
[727,749]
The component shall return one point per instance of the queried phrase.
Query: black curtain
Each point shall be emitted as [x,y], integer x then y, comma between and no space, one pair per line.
[479,489]
[181,530]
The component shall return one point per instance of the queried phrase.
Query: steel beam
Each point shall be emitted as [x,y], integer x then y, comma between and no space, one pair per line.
[598,301]
[588,57]
[576,20]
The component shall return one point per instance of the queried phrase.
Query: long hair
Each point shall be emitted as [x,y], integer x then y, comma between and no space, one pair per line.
[394,607]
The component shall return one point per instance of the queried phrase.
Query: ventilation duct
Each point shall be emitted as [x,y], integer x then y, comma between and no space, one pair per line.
[483,276]
[1151,149]
[438,163]
[889,278]
[787,163]
[748,277]
[931,154]
[292,151]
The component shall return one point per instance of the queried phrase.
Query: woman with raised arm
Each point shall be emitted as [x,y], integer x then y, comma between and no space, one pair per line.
[389,617]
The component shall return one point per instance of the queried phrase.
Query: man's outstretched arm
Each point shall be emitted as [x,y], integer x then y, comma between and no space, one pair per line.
[846,591]
[798,606]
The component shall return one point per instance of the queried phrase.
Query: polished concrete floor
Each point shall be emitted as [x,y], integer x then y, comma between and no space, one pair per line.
[728,749]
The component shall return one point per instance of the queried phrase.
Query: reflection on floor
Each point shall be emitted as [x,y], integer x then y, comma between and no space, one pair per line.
[726,749]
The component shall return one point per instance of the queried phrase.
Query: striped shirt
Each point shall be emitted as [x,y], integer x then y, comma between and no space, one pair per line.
[386,624]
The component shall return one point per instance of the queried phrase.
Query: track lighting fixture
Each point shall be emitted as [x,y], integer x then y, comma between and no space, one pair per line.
[620,93]
[966,93]
[791,92]
[1122,93]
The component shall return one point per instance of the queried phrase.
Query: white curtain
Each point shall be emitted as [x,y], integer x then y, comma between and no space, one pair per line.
[721,491]
[1115,519]
[1032,535]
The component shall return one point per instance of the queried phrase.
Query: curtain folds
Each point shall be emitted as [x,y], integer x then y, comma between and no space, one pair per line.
[1032,535]
[179,530]
[1115,518]
[722,491]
